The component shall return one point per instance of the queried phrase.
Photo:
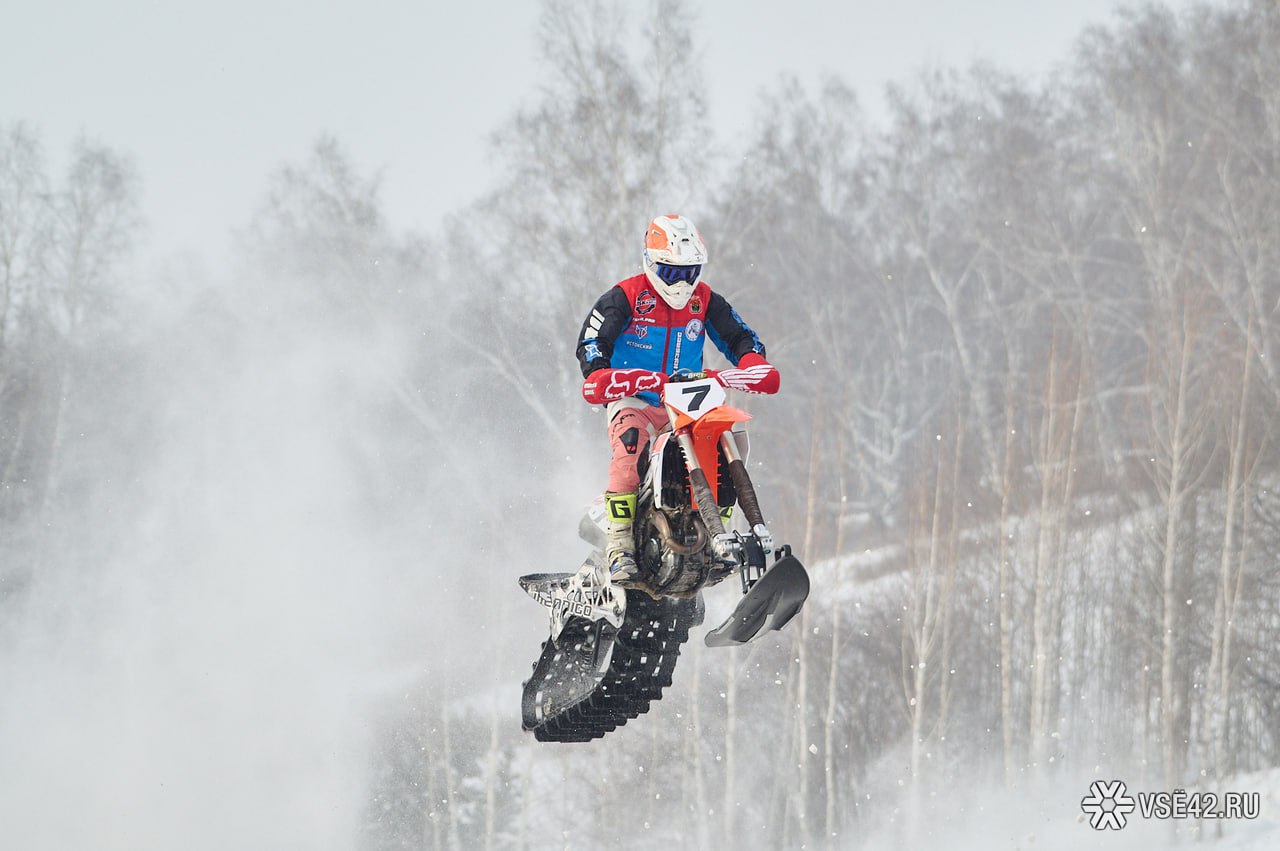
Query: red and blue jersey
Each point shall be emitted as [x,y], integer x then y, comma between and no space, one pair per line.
[631,326]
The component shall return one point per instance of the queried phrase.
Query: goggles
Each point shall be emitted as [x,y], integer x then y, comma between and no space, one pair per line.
[677,274]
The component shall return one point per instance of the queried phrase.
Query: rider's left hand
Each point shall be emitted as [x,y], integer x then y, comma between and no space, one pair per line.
[753,374]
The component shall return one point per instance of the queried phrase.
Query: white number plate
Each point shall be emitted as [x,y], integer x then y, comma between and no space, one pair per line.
[694,398]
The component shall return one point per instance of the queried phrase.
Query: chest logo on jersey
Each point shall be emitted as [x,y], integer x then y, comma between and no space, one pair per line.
[693,329]
[646,302]
[695,305]
[642,331]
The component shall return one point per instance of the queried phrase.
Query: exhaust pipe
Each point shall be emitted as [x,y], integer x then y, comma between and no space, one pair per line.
[663,526]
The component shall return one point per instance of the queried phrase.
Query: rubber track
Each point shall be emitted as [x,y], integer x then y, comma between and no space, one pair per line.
[570,699]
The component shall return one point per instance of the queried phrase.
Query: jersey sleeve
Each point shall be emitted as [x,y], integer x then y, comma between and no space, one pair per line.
[733,337]
[608,318]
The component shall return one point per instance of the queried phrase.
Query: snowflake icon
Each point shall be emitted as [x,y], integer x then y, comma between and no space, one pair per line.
[1107,804]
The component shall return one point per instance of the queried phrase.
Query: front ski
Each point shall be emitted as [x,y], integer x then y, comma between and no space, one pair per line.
[769,604]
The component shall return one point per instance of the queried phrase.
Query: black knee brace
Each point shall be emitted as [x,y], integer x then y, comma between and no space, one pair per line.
[630,440]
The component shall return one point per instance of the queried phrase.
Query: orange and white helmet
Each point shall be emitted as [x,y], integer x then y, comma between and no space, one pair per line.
[673,258]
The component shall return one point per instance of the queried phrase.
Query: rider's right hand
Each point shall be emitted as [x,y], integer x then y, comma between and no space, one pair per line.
[609,385]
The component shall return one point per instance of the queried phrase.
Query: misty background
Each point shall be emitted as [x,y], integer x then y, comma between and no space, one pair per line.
[263,505]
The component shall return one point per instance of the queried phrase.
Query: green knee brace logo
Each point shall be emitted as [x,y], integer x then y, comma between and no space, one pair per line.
[621,506]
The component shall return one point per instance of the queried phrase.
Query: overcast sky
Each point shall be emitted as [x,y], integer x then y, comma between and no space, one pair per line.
[210,97]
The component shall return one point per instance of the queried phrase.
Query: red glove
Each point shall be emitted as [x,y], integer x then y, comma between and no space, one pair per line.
[608,385]
[753,374]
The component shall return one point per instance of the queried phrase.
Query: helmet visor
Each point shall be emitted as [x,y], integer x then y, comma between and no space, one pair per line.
[677,274]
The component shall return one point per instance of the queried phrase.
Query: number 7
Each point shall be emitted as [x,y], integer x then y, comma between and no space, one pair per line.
[698,393]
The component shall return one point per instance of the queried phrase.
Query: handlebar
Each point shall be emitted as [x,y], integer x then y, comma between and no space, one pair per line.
[685,376]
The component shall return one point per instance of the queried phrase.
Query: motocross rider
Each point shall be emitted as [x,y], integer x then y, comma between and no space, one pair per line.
[642,330]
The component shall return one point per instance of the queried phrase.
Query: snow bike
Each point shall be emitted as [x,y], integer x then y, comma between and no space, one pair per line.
[612,649]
